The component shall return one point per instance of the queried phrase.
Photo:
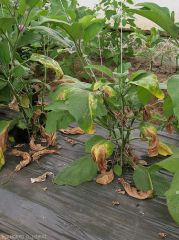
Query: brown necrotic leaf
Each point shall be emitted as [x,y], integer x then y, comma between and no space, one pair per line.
[26,159]
[132,191]
[105,177]
[98,153]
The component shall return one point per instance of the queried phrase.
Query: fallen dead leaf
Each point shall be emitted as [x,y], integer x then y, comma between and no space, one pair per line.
[162,235]
[41,178]
[120,191]
[26,159]
[37,155]
[72,131]
[105,178]
[34,146]
[45,189]
[132,191]
[115,203]
[71,141]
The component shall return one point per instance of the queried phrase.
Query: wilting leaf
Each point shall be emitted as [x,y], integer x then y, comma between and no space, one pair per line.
[41,178]
[155,146]
[105,178]
[172,196]
[72,131]
[100,152]
[48,63]
[132,191]
[149,82]
[78,172]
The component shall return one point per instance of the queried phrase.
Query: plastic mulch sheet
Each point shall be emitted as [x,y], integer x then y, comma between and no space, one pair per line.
[85,212]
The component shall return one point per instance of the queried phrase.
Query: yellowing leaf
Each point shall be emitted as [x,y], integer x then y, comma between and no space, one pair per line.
[48,63]
[108,91]
[150,83]
[24,100]
[164,150]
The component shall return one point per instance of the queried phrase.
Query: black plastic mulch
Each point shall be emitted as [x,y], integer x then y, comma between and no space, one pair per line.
[77,213]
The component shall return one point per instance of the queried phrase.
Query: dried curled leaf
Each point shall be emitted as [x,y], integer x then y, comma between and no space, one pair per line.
[98,152]
[72,131]
[3,140]
[132,191]
[105,178]
[35,147]
[26,159]
[37,155]
[41,178]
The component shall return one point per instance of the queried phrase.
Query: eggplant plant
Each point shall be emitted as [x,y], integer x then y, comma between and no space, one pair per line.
[122,104]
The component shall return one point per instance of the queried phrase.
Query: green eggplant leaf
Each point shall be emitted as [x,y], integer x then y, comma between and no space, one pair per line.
[173,89]
[159,15]
[80,171]
[172,196]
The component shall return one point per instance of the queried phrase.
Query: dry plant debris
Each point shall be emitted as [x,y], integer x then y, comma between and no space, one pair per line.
[162,235]
[41,178]
[119,190]
[133,192]
[115,203]
[71,141]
